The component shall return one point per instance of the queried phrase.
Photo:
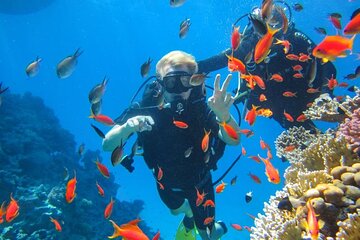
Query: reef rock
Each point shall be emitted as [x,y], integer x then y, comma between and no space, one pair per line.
[37,158]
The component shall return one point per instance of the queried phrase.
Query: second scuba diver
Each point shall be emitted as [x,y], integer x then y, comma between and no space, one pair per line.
[302,79]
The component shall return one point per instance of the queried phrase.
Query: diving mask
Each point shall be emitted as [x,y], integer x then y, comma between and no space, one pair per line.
[176,82]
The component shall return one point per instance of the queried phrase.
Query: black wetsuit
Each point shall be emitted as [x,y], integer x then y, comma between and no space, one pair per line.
[165,146]
[279,64]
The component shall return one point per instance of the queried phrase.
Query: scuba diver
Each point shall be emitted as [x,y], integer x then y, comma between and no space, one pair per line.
[182,137]
[302,78]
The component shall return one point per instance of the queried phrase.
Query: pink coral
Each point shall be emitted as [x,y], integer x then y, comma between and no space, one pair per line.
[350,129]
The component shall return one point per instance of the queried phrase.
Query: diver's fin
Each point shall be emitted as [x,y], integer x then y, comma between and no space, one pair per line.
[182,234]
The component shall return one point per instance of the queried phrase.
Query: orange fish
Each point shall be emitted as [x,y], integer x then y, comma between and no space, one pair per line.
[208,220]
[332,83]
[109,208]
[157,236]
[251,115]
[247,132]
[129,231]
[235,65]
[298,75]
[2,212]
[312,225]
[250,81]
[160,173]
[262,48]
[12,210]
[161,186]
[297,67]
[285,43]
[309,104]
[205,141]
[102,119]
[332,47]
[100,190]
[259,81]
[263,144]
[289,148]
[180,124]
[288,116]
[265,112]
[255,158]
[220,188]
[236,226]
[235,38]
[289,94]
[230,131]
[269,155]
[339,98]
[248,229]
[292,57]
[102,169]
[312,90]
[57,224]
[301,118]
[255,178]
[277,77]
[353,26]
[70,189]
[271,172]
[304,57]
[209,203]
[243,151]
[262,98]
[200,197]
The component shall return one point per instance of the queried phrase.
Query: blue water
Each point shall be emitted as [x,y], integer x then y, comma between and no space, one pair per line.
[117,37]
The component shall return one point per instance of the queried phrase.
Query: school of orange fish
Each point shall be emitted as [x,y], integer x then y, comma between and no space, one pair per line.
[330,48]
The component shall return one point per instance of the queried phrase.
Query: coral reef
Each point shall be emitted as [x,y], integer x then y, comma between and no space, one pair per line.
[325,109]
[325,170]
[350,130]
[329,109]
[37,158]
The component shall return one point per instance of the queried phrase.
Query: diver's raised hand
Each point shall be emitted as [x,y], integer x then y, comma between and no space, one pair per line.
[140,123]
[221,101]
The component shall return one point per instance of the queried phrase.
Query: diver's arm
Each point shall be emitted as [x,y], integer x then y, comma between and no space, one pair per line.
[220,103]
[214,63]
[117,135]
[120,133]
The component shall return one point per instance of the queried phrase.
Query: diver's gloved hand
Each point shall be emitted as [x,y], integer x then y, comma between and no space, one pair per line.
[221,101]
[140,123]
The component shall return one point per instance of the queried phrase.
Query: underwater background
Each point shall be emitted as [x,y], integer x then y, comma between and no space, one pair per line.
[117,37]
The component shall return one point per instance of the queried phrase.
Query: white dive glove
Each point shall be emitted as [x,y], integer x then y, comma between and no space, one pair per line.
[221,101]
[140,123]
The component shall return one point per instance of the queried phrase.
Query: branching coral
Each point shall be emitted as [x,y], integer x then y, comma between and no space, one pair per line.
[298,137]
[327,152]
[350,228]
[298,182]
[284,228]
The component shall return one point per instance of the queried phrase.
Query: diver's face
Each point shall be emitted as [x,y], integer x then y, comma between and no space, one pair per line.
[176,83]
